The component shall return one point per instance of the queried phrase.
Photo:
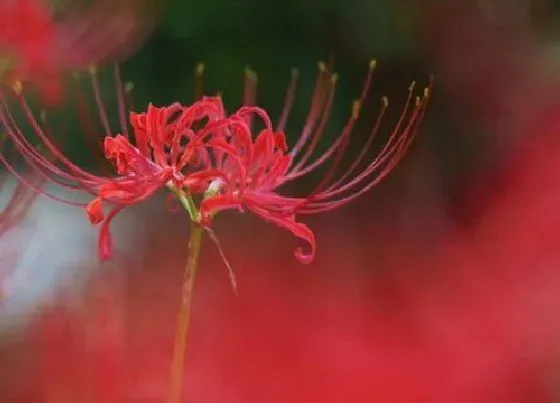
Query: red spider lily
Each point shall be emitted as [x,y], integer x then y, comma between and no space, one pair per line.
[197,149]
[33,46]
[158,159]
[255,167]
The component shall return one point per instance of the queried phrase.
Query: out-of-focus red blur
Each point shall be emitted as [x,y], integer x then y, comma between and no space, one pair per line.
[382,315]
[400,305]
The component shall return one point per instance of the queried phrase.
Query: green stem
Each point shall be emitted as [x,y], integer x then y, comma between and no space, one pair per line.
[183,319]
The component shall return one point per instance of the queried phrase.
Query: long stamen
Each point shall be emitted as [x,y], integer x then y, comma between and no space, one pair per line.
[99,101]
[23,145]
[389,159]
[297,170]
[317,101]
[391,146]
[91,135]
[320,129]
[121,101]
[249,92]
[288,102]
[36,188]
[44,138]
[367,145]
[345,136]
[199,81]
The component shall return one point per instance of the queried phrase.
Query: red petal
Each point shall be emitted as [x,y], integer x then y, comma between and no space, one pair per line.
[105,242]
[127,158]
[300,230]
[213,205]
[94,211]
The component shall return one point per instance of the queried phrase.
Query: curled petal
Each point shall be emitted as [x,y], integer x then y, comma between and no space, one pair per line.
[105,242]
[94,211]
[300,230]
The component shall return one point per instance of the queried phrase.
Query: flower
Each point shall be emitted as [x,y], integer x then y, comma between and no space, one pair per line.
[211,161]
[35,46]
[253,167]
[159,157]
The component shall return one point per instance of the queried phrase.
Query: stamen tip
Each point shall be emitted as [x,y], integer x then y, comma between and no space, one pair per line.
[250,74]
[322,66]
[412,85]
[199,69]
[384,101]
[334,78]
[18,87]
[372,64]
[43,114]
[128,87]
[417,101]
[356,106]
[295,72]
[92,69]
[426,92]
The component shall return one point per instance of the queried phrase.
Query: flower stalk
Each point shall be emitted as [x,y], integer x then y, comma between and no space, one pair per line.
[183,319]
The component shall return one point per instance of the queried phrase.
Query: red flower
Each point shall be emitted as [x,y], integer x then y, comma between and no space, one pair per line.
[198,150]
[33,46]
[255,167]
[159,158]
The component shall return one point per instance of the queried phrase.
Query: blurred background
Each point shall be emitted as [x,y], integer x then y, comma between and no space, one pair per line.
[442,284]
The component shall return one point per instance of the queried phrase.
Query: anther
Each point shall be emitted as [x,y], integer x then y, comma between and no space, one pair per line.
[128,87]
[356,106]
[384,101]
[250,74]
[199,69]
[18,87]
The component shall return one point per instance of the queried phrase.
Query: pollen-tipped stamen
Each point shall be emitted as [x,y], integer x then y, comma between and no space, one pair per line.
[388,158]
[339,153]
[317,135]
[373,134]
[288,101]
[318,99]
[121,101]
[99,100]
[249,91]
[199,81]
